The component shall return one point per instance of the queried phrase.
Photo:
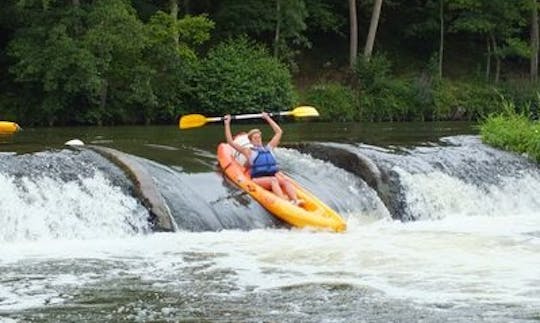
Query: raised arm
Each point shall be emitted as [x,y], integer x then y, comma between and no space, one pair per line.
[274,142]
[230,141]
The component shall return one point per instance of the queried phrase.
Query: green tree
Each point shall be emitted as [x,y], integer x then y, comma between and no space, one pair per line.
[281,24]
[49,59]
[500,22]
[116,38]
[428,20]
[173,61]
[325,16]
[289,29]
[353,33]
[98,63]
[535,41]
[370,41]
[239,76]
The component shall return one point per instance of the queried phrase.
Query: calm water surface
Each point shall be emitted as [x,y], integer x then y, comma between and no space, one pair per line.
[171,146]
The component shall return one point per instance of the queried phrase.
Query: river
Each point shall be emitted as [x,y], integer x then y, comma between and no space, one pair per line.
[456,239]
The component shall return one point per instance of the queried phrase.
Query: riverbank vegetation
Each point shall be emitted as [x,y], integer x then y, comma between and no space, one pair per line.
[514,131]
[147,61]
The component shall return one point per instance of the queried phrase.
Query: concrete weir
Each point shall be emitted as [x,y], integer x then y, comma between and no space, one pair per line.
[379,179]
[145,188]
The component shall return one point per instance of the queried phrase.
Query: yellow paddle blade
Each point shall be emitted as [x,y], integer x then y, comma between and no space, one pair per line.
[304,111]
[198,120]
[192,121]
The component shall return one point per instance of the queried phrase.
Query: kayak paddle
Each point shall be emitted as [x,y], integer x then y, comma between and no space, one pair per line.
[199,120]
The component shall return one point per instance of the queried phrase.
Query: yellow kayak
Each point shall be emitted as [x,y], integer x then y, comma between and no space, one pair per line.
[8,127]
[313,213]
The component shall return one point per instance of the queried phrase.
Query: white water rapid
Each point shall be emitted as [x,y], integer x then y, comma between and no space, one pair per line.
[67,253]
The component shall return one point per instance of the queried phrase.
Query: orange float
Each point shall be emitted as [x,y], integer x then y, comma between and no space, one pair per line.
[8,127]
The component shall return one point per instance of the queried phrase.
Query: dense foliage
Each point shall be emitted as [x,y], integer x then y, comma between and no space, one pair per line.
[336,102]
[237,77]
[512,131]
[147,61]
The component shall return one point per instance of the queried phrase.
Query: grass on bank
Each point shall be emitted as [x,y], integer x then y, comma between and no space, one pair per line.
[512,131]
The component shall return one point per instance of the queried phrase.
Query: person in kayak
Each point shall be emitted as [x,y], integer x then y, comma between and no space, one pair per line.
[261,159]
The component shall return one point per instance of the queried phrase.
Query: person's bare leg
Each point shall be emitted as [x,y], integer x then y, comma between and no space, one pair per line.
[264,182]
[270,183]
[276,188]
[289,189]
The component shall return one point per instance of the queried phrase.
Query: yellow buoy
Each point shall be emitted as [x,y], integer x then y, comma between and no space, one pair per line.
[8,127]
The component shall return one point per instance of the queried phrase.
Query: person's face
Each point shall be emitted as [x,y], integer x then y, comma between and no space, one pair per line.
[256,139]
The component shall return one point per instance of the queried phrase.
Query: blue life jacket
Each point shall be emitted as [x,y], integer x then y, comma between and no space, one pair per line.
[262,162]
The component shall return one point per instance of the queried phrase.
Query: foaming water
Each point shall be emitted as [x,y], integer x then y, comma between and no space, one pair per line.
[433,264]
[48,208]
[343,191]
[473,253]
[209,202]
[438,195]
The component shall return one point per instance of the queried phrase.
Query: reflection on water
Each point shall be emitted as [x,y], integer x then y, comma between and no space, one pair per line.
[170,146]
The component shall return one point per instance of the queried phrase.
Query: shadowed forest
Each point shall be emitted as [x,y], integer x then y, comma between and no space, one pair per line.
[148,61]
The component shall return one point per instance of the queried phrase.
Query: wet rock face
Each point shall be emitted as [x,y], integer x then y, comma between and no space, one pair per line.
[384,181]
[145,188]
[72,165]
[432,179]
[66,194]
[66,165]
[345,159]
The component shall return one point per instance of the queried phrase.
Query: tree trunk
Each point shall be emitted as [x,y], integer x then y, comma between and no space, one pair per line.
[497,59]
[353,40]
[488,60]
[174,14]
[76,3]
[373,28]
[278,27]
[441,42]
[534,42]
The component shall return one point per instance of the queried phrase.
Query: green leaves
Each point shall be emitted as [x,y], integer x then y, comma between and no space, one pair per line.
[239,77]
[334,101]
[516,47]
[372,72]
[99,63]
[105,62]
[194,30]
[500,18]
[512,131]
[279,23]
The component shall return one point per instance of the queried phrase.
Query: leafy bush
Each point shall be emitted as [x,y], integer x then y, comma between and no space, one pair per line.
[464,100]
[383,97]
[392,100]
[533,142]
[512,131]
[335,101]
[239,76]
[423,88]
[172,63]
[373,71]
[524,95]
